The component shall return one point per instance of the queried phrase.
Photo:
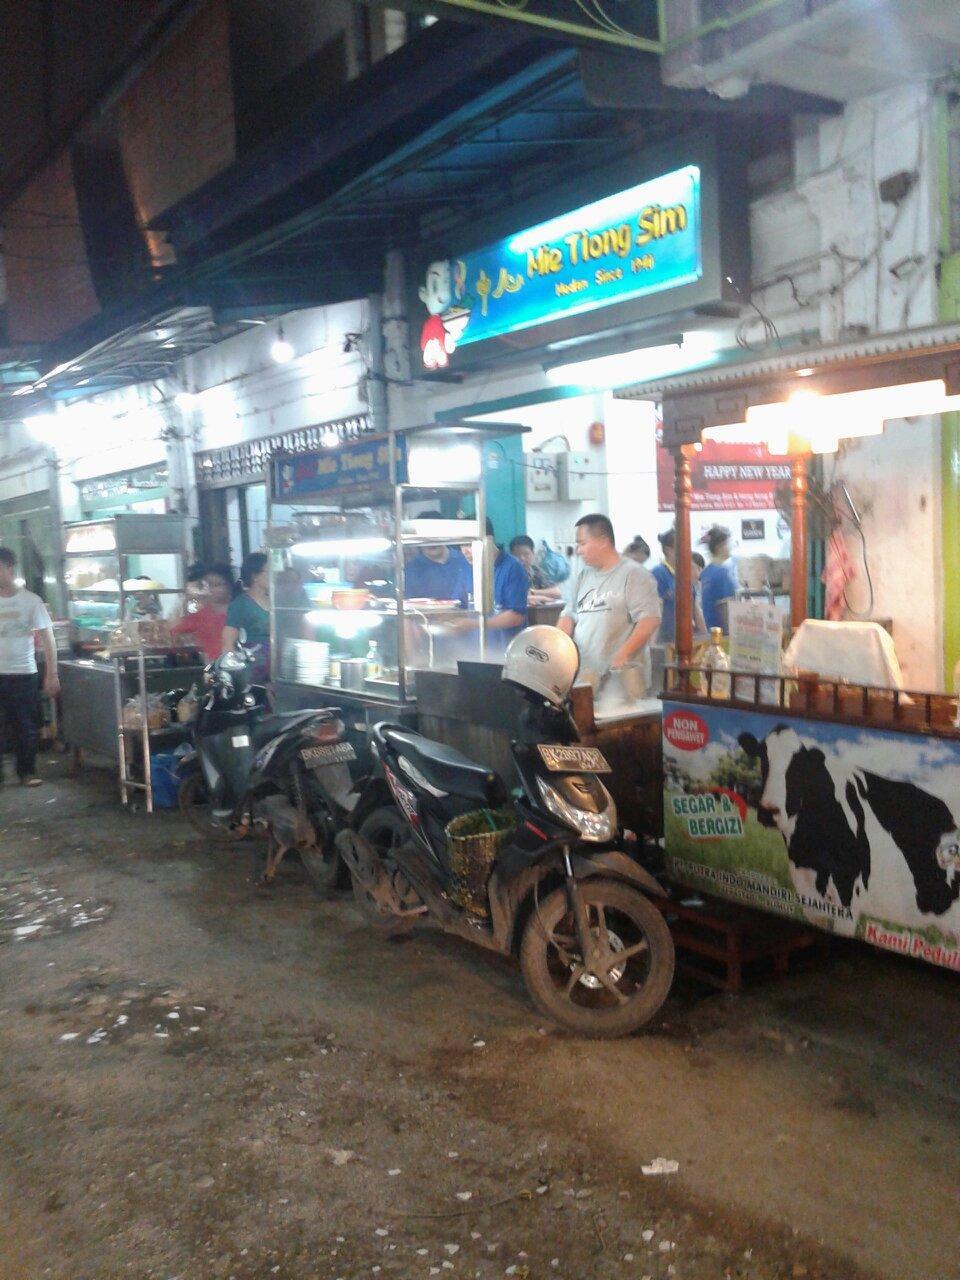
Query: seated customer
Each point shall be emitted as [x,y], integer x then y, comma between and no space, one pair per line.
[542,591]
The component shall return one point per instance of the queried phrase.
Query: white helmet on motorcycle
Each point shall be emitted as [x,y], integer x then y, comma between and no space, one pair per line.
[544,660]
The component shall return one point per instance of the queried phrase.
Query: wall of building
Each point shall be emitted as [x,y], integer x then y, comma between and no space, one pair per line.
[241,393]
[60,58]
[831,258]
[49,285]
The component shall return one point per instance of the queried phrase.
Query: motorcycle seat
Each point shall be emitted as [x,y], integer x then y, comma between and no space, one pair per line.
[271,726]
[444,767]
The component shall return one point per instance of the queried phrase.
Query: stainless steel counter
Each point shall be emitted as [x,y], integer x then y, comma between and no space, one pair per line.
[89,699]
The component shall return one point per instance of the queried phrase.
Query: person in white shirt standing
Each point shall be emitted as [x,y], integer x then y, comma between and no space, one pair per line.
[614,608]
[23,616]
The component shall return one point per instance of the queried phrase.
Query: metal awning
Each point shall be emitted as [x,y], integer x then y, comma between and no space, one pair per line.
[722,394]
[424,148]
[451,129]
[142,352]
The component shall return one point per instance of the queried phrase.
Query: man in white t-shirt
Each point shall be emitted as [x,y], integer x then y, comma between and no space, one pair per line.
[613,609]
[23,616]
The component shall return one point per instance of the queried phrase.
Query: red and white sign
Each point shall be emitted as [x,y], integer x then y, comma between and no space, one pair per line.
[726,477]
[686,731]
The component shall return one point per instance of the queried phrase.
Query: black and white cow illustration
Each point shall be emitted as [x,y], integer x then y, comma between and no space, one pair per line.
[838,823]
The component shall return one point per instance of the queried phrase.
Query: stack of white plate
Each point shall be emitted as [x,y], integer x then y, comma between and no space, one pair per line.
[305,661]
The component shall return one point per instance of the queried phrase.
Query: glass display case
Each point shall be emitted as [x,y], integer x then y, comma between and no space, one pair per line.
[127,568]
[370,586]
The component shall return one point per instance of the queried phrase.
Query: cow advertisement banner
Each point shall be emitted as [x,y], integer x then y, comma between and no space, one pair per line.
[851,830]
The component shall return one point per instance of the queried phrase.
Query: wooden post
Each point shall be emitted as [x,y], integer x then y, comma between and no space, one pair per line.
[683,580]
[798,540]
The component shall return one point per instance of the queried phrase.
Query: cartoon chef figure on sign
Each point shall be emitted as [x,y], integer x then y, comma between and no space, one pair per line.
[445,323]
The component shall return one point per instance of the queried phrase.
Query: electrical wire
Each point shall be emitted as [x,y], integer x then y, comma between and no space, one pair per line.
[853,518]
[770,331]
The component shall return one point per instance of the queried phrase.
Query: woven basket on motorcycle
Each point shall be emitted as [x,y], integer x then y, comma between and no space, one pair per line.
[473,841]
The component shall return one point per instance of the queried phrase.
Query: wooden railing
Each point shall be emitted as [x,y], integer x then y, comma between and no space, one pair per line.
[806,695]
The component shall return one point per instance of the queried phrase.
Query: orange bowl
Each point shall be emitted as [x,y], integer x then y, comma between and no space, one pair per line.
[352,598]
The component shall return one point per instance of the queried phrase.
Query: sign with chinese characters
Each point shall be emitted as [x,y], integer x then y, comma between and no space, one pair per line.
[357,465]
[726,477]
[636,242]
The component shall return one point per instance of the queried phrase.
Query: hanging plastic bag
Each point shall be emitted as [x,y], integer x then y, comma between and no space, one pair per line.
[552,564]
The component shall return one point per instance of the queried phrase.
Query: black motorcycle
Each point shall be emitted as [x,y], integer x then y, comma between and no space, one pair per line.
[542,874]
[251,768]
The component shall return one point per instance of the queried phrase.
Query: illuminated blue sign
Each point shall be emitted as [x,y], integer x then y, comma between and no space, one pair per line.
[355,464]
[624,246]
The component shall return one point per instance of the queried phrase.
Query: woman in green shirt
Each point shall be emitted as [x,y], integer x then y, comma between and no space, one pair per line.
[249,612]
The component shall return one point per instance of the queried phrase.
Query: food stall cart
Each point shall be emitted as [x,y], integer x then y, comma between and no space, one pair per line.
[124,578]
[347,522]
[825,800]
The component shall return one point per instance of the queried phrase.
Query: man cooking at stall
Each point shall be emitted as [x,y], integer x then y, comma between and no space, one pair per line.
[612,614]
[438,572]
[511,591]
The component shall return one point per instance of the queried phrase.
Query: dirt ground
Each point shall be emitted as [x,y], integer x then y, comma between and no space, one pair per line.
[200,1081]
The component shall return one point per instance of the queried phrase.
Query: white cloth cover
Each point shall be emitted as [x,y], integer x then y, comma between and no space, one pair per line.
[859,652]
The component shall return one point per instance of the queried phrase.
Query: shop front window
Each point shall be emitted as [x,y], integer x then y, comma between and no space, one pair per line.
[233,522]
[30,533]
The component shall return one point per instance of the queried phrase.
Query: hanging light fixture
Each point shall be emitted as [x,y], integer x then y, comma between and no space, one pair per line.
[281,350]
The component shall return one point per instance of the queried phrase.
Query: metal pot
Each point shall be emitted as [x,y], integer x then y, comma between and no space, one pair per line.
[352,673]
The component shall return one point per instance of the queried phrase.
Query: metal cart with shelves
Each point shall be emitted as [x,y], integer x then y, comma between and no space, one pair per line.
[339,563]
[102,561]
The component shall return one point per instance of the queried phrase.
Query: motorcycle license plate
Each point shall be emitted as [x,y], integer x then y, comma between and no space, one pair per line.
[573,759]
[331,753]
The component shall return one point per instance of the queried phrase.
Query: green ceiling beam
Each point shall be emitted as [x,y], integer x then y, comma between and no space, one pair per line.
[598,27]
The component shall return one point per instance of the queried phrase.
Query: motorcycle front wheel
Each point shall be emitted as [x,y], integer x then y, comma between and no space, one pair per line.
[195,806]
[637,967]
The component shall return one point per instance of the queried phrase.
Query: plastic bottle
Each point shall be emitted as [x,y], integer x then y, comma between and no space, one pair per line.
[373,661]
[715,659]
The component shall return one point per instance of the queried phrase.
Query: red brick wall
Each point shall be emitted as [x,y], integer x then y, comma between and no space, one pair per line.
[49,288]
[176,123]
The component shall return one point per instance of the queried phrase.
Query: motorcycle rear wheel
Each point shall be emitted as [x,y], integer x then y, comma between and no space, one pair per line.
[641,960]
[195,807]
[322,864]
[385,831]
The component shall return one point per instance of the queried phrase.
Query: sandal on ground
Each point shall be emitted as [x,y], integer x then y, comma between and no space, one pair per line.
[32,781]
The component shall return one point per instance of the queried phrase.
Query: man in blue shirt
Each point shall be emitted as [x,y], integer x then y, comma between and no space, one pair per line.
[438,573]
[511,587]
[664,574]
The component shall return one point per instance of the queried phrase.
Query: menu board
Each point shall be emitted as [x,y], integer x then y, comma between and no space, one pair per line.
[756,635]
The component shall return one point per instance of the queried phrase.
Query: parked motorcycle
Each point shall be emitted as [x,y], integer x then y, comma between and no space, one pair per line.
[287,773]
[542,874]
